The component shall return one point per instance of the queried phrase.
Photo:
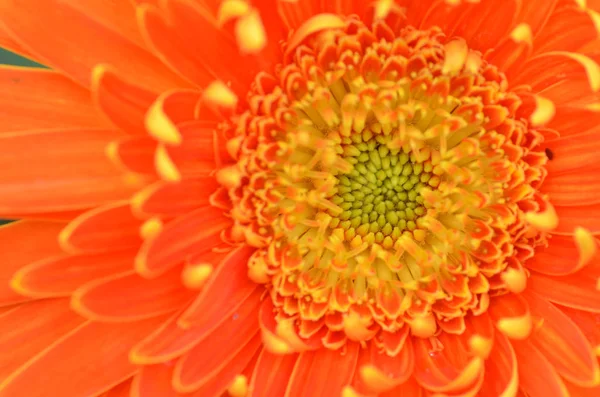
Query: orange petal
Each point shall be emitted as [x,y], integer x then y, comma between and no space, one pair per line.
[449,367]
[294,14]
[123,102]
[20,330]
[193,233]
[60,276]
[484,24]
[16,240]
[588,323]
[582,391]
[228,286]
[135,154]
[409,389]
[510,53]
[174,199]
[35,23]
[85,372]
[445,16]
[584,216]
[537,377]
[384,372]
[567,29]
[107,228]
[576,119]
[76,172]
[562,343]
[154,381]
[501,372]
[573,153]
[200,61]
[564,255]
[120,390]
[171,340]
[578,290]
[272,373]
[511,315]
[323,372]
[7,41]
[221,381]
[129,297]
[26,104]
[581,187]
[212,353]
[536,15]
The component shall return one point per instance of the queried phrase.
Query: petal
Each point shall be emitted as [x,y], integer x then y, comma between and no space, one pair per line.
[511,315]
[120,390]
[584,216]
[7,41]
[588,323]
[76,172]
[510,53]
[536,15]
[16,240]
[220,382]
[209,356]
[562,343]
[568,29]
[537,377]
[107,228]
[200,61]
[272,374]
[123,102]
[447,366]
[581,187]
[563,256]
[228,286]
[573,153]
[35,23]
[61,275]
[154,381]
[25,102]
[323,372]
[174,199]
[409,389]
[573,120]
[383,372]
[20,330]
[97,360]
[129,297]
[501,370]
[170,341]
[578,290]
[193,233]
[135,154]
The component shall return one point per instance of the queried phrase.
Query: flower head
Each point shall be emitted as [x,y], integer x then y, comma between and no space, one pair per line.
[301,198]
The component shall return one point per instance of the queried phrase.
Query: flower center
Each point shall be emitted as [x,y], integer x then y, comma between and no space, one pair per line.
[384,180]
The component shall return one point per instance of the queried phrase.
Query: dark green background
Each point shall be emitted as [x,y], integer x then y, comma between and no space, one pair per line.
[8,58]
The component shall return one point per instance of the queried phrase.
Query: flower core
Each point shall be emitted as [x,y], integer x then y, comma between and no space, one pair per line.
[385,180]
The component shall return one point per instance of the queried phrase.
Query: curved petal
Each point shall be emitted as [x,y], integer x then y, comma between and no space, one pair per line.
[154,381]
[574,153]
[409,389]
[76,172]
[562,343]
[16,240]
[120,390]
[511,315]
[567,29]
[107,228]
[35,23]
[170,340]
[123,102]
[537,377]
[572,217]
[272,374]
[578,290]
[129,297]
[20,330]
[576,188]
[174,199]
[60,276]
[85,371]
[564,255]
[588,323]
[196,232]
[323,372]
[25,102]
[228,286]
[501,370]
[209,356]
[134,154]
[536,14]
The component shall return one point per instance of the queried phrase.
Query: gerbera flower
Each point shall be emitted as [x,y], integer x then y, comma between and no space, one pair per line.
[300,198]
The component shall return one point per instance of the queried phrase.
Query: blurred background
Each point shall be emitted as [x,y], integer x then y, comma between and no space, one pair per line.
[8,58]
